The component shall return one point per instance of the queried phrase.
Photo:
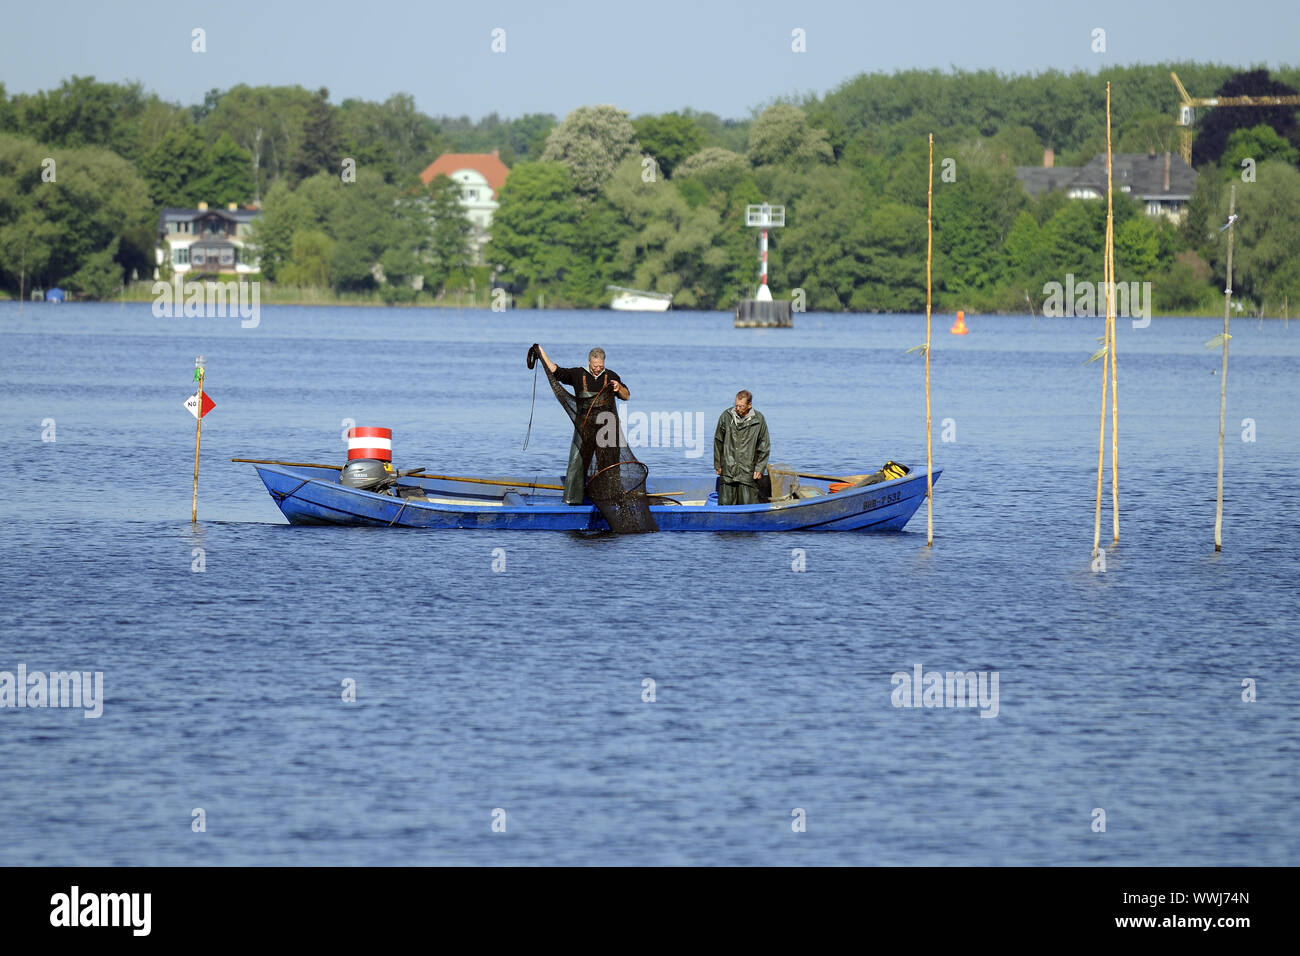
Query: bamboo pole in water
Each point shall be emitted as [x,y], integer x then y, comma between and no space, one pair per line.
[1110,329]
[1106,350]
[929,250]
[1101,446]
[1223,377]
[198,433]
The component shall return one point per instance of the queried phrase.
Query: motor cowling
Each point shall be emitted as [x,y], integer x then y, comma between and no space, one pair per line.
[369,474]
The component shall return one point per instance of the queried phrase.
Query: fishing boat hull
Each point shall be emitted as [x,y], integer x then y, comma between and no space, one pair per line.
[312,495]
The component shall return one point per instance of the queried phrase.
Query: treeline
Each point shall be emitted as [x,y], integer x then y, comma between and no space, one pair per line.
[657,202]
[645,203]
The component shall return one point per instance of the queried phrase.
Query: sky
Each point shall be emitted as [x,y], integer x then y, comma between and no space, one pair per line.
[644,56]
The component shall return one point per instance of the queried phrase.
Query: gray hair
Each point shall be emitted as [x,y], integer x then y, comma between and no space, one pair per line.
[595,353]
[746,395]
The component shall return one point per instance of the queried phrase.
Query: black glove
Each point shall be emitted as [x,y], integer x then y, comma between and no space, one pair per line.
[534,352]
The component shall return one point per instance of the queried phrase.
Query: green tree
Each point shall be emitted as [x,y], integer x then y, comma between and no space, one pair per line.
[391,137]
[320,148]
[782,134]
[526,137]
[533,230]
[893,261]
[1265,259]
[283,214]
[822,245]
[175,166]
[27,245]
[665,245]
[1186,285]
[973,217]
[99,275]
[591,142]
[266,121]
[1028,266]
[709,159]
[449,234]
[52,231]
[84,112]
[669,138]
[369,224]
[1137,250]
[229,176]
[309,263]
[182,170]
[1257,143]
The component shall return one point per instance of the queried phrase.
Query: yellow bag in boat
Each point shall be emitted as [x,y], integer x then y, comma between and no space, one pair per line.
[888,472]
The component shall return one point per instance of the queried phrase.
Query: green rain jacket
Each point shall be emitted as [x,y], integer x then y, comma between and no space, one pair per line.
[741,446]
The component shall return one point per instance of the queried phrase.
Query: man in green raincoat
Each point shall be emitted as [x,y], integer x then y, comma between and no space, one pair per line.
[740,448]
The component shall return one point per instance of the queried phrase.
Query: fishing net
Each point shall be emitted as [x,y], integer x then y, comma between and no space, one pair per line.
[615,479]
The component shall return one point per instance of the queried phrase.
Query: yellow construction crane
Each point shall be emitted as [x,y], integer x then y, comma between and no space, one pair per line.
[1187,111]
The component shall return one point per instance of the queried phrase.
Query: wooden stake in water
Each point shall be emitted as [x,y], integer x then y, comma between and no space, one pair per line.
[1101,445]
[929,457]
[198,433]
[1223,375]
[1108,346]
[1110,329]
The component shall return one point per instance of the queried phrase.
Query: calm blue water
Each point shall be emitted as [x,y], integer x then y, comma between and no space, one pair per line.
[522,690]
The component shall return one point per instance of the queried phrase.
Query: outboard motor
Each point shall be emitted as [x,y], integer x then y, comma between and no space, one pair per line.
[369,474]
[370,459]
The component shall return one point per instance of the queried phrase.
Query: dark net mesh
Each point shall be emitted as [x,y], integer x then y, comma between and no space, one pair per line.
[615,479]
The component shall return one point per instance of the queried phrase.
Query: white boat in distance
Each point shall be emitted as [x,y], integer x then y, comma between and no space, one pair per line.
[634,300]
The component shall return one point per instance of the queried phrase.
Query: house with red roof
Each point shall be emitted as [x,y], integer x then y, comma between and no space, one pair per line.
[480,176]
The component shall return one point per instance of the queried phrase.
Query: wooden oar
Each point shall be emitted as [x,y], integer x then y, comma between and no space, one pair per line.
[850,478]
[288,464]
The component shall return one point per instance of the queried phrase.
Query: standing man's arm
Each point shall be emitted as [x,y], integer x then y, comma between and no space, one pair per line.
[764,450]
[620,389]
[550,366]
[719,436]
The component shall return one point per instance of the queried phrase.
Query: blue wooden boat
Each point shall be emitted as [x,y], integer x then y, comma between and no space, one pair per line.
[314,495]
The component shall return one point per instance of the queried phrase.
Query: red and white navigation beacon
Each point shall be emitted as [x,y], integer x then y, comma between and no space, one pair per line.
[365,441]
[762,311]
[765,217]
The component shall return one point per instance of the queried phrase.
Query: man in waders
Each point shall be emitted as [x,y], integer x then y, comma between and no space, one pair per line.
[593,385]
[740,448]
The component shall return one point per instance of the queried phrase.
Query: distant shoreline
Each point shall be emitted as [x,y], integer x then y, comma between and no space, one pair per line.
[376,302]
[464,300]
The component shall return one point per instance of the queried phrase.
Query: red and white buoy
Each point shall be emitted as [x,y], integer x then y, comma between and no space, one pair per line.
[365,441]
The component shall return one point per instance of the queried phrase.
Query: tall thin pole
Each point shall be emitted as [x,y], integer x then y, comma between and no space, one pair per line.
[1110,329]
[198,433]
[929,456]
[1223,376]
[1101,446]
